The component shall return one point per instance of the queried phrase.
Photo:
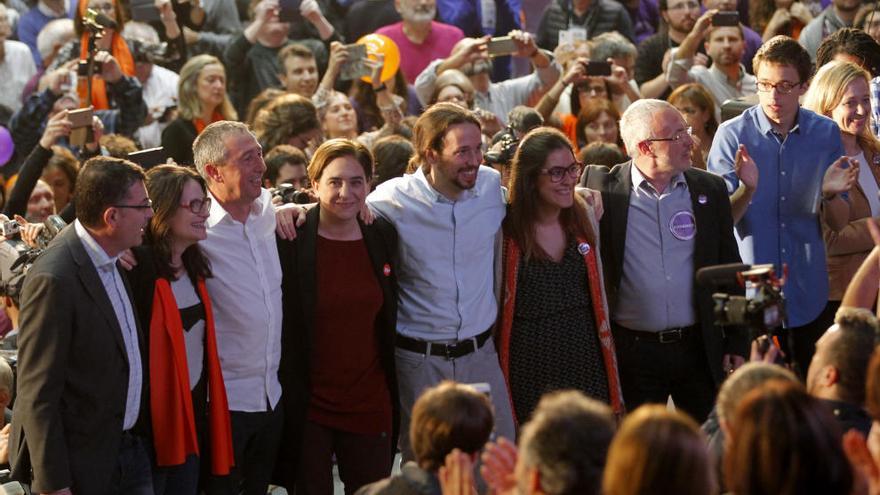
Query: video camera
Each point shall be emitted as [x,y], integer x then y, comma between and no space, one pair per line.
[289,194]
[508,146]
[761,310]
[10,229]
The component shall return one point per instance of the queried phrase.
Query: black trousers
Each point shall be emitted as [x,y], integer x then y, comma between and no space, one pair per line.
[650,372]
[256,437]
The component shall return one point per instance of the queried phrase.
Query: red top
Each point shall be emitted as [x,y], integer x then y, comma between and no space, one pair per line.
[348,387]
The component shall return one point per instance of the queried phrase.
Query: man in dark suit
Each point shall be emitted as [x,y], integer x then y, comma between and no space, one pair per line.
[663,221]
[80,372]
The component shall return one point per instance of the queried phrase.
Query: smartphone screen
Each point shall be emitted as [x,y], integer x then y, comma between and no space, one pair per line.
[149,158]
[501,46]
[354,67]
[598,68]
[288,10]
[726,18]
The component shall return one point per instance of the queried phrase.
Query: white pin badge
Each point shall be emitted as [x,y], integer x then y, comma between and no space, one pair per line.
[583,248]
[702,199]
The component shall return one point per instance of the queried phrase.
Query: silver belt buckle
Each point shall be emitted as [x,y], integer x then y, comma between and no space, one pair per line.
[670,336]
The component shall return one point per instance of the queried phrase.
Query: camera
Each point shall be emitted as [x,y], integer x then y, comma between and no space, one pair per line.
[503,156]
[761,310]
[290,194]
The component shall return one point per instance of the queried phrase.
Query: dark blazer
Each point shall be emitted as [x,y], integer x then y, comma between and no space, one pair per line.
[298,286]
[72,375]
[715,243]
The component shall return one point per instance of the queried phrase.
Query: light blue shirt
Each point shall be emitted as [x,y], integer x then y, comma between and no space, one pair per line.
[781,224]
[657,283]
[115,289]
[447,252]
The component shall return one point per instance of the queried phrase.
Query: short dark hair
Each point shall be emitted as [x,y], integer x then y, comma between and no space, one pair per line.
[567,441]
[281,155]
[392,153]
[446,417]
[103,182]
[851,351]
[784,50]
[605,154]
[285,117]
[854,42]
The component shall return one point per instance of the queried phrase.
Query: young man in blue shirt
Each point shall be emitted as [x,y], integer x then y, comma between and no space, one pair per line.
[800,160]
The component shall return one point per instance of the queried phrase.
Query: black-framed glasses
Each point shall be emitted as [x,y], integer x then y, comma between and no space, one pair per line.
[146,206]
[198,205]
[558,173]
[784,87]
[688,131]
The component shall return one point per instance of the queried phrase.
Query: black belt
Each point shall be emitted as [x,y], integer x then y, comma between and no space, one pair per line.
[449,351]
[670,336]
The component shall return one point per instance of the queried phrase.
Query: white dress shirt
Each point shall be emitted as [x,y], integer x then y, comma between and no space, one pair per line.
[246,295]
[447,252]
[115,289]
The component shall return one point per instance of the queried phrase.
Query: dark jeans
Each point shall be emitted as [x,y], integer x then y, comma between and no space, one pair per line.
[177,480]
[256,437]
[362,459]
[133,475]
[650,372]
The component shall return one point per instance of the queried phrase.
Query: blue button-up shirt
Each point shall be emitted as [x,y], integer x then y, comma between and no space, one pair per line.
[781,224]
[447,252]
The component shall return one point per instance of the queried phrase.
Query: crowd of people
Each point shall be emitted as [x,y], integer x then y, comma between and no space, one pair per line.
[246,243]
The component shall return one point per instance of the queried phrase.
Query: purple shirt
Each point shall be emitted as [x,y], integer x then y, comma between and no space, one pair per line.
[414,58]
[645,19]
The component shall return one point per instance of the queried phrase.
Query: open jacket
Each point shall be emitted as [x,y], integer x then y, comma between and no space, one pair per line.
[511,255]
[299,286]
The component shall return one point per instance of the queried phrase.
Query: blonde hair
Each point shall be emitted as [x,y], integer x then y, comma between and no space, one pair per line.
[187,89]
[826,92]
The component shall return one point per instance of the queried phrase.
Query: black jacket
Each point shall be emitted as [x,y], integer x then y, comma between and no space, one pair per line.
[603,16]
[298,286]
[715,244]
[177,141]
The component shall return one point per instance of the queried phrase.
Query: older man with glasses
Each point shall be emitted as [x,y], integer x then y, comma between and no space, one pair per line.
[664,220]
[802,166]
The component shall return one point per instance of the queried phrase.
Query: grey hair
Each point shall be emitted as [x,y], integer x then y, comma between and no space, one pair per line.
[745,379]
[611,45]
[567,441]
[6,376]
[636,122]
[140,31]
[210,146]
[54,35]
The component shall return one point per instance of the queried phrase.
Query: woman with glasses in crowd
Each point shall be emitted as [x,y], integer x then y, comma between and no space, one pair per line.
[841,91]
[553,330]
[337,359]
[169,290]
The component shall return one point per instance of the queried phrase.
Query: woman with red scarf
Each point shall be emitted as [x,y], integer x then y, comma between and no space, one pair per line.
[553,331]
[201,101]
[183,366]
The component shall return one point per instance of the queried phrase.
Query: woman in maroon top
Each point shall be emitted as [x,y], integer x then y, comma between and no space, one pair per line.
[340,306]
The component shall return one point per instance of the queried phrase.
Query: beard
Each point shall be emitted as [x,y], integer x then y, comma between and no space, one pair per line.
[418,14]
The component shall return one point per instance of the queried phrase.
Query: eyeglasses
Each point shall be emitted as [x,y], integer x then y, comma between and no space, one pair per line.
[689,131]
[147,206]
[198,205]
[558,173]
[783,87]
[684,6]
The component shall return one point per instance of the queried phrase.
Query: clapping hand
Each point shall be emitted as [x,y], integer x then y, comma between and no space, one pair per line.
[499,461]
[745,168]
[840,177]
[457,474]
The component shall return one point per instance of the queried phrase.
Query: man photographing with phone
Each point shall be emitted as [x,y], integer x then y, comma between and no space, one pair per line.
[722,37]
[473,57]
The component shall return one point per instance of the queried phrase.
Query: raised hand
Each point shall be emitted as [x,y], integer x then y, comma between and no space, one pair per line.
[58,125]
[840,177]
[499,461]
[745,168]
[457,474]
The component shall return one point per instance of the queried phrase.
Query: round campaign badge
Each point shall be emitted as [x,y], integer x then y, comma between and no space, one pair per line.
[386,270]
[583,248]
[683,225]
[702,199]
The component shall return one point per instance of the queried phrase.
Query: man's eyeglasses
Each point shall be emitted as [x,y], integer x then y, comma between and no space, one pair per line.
[146,206]
[558,173]
[689,131]
[783,87]
[198,205]
[684,6]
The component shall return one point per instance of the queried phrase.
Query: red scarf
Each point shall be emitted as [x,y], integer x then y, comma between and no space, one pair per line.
[201,124]
[174,430]
[511,256]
